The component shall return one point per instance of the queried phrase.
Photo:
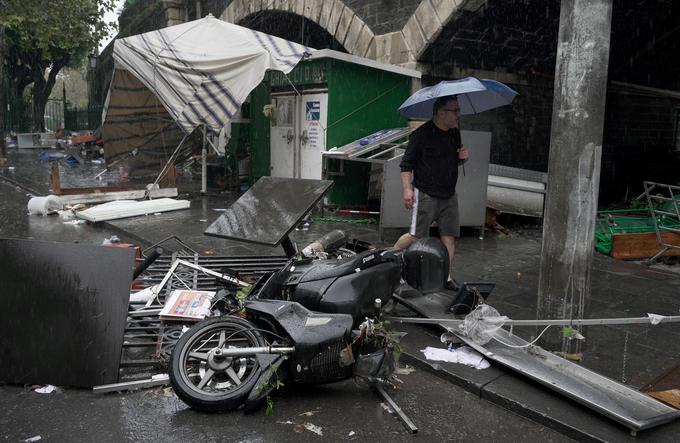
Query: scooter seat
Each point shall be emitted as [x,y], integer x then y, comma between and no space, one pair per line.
[334,268]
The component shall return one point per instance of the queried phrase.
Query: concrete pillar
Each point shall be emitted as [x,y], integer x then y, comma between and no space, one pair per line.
[574,164]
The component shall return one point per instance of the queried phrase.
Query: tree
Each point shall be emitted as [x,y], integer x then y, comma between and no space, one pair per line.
[43,36]
[3,148]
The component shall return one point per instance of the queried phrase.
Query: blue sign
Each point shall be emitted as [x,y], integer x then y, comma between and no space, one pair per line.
[313,111]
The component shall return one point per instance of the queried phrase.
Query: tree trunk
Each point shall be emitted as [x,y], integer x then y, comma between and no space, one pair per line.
[41,93]
[3,98]
[574,163]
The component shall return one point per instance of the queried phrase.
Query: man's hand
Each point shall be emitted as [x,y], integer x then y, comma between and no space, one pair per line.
[408,198]
[463,154]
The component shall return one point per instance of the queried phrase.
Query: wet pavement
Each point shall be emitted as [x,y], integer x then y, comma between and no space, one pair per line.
[343,412]
[631,354]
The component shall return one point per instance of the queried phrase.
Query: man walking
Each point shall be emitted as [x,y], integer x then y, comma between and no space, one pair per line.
[431,162]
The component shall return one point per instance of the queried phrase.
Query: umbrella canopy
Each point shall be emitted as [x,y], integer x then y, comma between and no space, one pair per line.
[474,96]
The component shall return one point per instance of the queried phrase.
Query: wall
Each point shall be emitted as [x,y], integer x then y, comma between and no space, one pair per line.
[638,144]
[383,16]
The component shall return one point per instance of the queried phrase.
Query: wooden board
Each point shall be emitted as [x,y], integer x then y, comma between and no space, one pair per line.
[642,245]
[670,397]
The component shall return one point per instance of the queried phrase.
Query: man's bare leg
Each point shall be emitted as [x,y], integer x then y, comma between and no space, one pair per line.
[450,246]
[405,241]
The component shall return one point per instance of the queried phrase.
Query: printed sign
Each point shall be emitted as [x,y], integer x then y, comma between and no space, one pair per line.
[313,111]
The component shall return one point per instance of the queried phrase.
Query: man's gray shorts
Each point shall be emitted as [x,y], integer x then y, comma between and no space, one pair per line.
[427,209]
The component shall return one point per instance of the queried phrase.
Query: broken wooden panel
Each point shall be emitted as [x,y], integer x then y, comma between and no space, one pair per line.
[62,312]
[642,245]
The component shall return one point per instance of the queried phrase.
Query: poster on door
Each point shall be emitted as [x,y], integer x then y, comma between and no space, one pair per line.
[313,111]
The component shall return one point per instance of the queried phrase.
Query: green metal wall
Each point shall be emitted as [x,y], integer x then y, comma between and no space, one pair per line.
[361,100]
[259,132]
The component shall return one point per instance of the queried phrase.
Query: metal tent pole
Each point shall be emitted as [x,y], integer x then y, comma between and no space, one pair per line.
[204,163]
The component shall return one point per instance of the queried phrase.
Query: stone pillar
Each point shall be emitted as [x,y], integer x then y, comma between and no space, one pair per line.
[175,13]
[574,164]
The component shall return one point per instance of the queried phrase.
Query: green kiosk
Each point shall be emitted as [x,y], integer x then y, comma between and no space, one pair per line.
[328,100]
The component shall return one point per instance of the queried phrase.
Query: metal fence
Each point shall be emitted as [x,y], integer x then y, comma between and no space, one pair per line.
[83,119]
[19,115]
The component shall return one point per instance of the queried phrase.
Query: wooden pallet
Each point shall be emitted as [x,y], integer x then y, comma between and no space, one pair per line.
[642,245]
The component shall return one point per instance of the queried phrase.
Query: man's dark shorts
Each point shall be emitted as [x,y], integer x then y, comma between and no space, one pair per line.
[427,209]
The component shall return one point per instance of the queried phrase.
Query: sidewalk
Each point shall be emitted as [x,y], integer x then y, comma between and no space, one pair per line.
[619,289]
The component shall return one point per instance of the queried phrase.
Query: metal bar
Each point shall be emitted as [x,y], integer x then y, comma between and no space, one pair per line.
[378,154]
[619,402]
[412,428]
[556,322]
[160,380]
[219,275]
[144,312]
[138,363]
[516,187]
[204,164]
[662,212]
[238,352]
[139,345]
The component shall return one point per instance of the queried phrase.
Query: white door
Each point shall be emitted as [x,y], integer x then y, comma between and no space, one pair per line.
[282,137]
[313,121]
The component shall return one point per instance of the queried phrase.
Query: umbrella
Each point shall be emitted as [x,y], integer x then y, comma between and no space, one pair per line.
[474,96]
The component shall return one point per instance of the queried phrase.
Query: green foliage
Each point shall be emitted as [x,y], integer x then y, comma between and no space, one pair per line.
[56,29]
[266,386]
[43,36]
[242,295]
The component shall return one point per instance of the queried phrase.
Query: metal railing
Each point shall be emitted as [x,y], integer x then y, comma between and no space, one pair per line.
[664,203]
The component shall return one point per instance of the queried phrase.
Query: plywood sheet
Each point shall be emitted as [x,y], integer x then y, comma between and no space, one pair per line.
[62,312]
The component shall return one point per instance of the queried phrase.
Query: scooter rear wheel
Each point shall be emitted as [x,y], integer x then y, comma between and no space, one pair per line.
[204,379]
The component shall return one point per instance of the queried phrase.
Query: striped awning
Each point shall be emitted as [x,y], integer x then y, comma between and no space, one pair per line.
[201,71]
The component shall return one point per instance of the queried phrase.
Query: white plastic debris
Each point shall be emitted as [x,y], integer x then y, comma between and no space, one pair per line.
[655,319]
[318,430]
[144,295]
[44,205]
[47,389]
[463,355]
[34,438]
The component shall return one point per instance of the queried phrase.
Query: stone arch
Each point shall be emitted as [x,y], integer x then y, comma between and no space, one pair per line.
[332,15]
[429,20]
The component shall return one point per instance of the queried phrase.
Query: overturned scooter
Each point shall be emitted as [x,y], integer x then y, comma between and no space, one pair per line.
[274,336]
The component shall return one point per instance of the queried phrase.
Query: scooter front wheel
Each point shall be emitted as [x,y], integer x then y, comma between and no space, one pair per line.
[204,378]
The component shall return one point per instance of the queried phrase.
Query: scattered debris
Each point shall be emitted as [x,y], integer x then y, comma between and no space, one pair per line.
[129,208]
[351,433]
[144,295]
[463,355]
[46,389]
[156,380]
[309,413]
[311,427]
[45,205]
[35,438]
[405,370]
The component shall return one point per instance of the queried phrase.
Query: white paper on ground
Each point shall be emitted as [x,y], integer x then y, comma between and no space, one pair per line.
[463,355]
